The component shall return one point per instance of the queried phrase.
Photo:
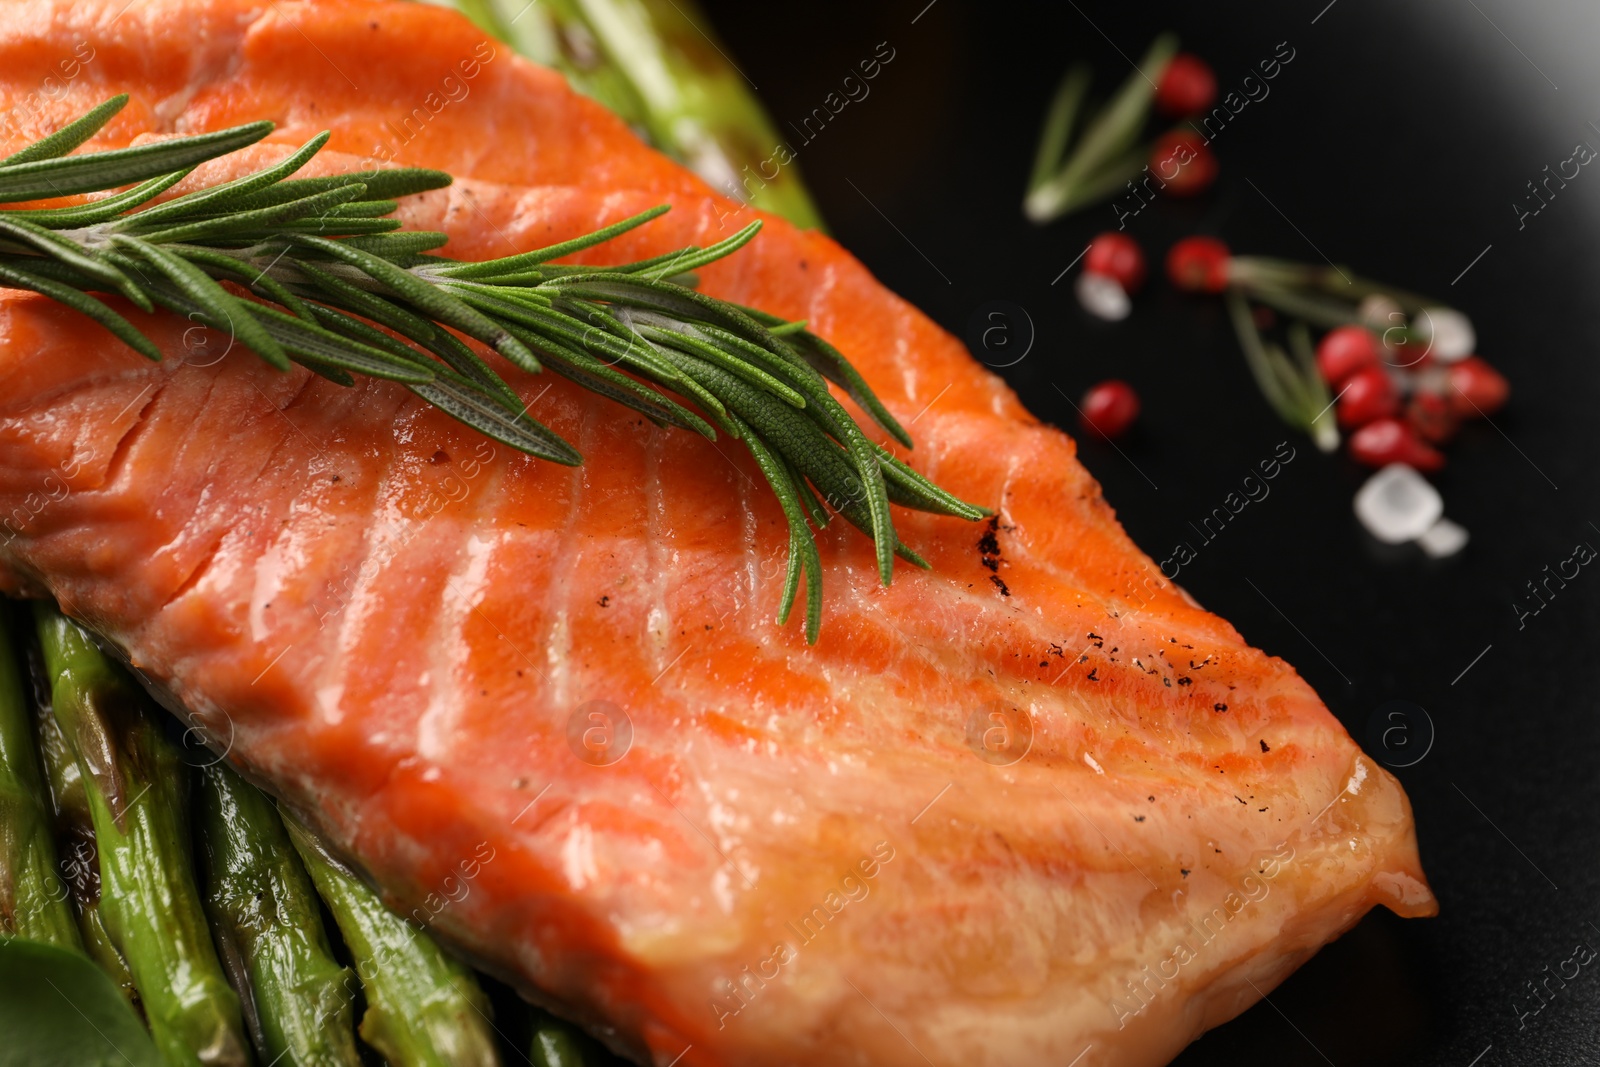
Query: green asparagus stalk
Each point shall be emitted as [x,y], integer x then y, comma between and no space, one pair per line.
[267,923]
[138,798]
[556,1043]
[656,64]
[33,900]
[424,1009]
[75,838]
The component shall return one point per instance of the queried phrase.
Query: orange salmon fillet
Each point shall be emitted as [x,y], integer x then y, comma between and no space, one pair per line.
[404,631]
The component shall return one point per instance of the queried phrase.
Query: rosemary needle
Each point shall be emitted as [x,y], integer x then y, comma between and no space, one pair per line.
[342,290]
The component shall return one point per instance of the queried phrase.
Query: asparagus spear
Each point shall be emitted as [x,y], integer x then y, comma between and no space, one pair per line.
[268,925]
[654,63]
[424,1009]
[33,900]
[138,798]
[75,837]
[555,1043]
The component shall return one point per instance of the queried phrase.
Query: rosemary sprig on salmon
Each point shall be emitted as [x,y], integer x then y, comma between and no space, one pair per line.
[342,290]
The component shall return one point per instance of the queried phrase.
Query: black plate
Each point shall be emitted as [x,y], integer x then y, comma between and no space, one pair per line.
[1397,141]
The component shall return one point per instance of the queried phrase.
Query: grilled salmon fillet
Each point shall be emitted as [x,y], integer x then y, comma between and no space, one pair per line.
[1031,805]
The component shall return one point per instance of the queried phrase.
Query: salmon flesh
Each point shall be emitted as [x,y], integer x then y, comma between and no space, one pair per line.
[1031,802]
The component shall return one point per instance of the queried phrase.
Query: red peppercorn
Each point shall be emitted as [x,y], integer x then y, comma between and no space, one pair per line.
[1109,408]
[1431,416]
[1476,389]
[1199,265]
[1367,395]
[1117,256]
[1344,351]
[1187,87]
[1386,441]
[1183,162]
[1412,355]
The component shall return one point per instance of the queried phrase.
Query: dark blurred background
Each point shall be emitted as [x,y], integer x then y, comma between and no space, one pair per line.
[1395,142]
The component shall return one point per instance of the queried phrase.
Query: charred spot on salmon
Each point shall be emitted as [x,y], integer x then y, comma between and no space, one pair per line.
[605,601]
[989,544]
[1219,707]
[1264,747]
[1094,674]
[342,290]
[989,552]
[1000,584]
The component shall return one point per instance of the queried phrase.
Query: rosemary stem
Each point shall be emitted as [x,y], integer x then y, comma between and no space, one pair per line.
[343,290]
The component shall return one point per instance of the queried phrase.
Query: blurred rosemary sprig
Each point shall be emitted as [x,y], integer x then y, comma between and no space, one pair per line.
[1069,175]
[342,290]
[1292,386]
